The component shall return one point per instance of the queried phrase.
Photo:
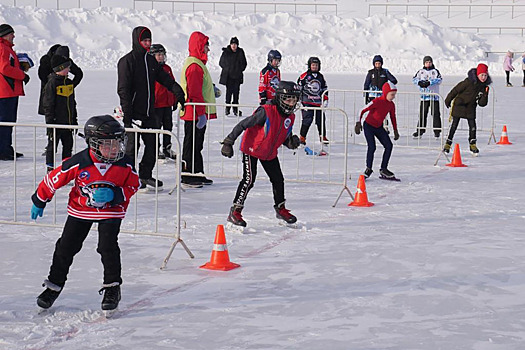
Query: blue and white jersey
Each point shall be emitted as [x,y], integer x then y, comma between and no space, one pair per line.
[431,75]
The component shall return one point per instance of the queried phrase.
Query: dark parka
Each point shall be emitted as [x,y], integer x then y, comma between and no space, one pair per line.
[59,101]
[137,73]
[44,69]
[467,95]
[233,65]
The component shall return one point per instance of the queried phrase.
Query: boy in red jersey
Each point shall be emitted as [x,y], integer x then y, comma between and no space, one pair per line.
[105,180]
[269,77]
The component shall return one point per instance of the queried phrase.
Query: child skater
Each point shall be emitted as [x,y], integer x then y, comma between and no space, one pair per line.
[104,181]
[269,127]
[373,127]
[269,77]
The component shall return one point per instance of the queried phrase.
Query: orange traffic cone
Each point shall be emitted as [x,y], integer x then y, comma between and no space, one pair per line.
[220,259]
[504,140]
[361,198]
[456,158]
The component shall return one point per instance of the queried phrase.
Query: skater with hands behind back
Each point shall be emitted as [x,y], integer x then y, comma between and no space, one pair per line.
[104,181]
[269,127]
[377,110]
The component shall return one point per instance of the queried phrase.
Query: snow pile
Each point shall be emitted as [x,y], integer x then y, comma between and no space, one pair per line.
[98,37]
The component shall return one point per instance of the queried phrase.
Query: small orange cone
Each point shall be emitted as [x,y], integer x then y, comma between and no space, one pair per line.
[456,158]
[361,198]
[504,140]
[220,259]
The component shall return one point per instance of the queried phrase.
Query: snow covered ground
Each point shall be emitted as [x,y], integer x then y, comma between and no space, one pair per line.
[437,263]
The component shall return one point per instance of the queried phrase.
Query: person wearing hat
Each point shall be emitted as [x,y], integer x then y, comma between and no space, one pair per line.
[233,63]
[11,87]
[376,78]
[428,79]
[463,100]
[60,108]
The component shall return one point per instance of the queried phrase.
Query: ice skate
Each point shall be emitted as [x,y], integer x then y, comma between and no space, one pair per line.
[150,185]
[111,297]
[418,134]
[46,299]
[324,140]
[302,140]
[386,174]
[284,214]
[367,172]
[235,223]
[448,146]
[509,85]
[473,148]
[190,182]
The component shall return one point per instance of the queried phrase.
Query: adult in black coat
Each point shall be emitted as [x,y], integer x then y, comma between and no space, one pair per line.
[233,63]
[464,98]
[44,69]
[137,73]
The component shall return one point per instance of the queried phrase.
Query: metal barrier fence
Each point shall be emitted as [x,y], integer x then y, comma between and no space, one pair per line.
[27,172]
[449,7]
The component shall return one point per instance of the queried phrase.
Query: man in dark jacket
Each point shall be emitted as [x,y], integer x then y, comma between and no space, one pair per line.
[137,73]
[376,78]
[233,63]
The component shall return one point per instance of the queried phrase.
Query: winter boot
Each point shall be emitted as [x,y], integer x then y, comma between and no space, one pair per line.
[46,299]
[284,214]
[368,172]
[168,152]
[237,112]
[387,173]
[302,140]
[227,110]
[448,146]
[418,134]
[473,148]
[161,155]
[111,296]
[235,216]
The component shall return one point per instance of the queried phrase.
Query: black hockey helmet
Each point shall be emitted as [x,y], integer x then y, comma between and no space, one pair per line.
[284,91]
[106,138]
[314,60]
[274,54]
[157,48]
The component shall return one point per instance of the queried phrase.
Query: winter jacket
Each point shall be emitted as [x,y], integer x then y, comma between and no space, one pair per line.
[312,87]
[233,65]
[266,130]
[375,79]
[507,63]
[196,80]
[269,79]
[379,108]
[137,73]
[467,95]
[59,101]
[164,97]
[12,77]
[83,169]
[44,69]
[433,76]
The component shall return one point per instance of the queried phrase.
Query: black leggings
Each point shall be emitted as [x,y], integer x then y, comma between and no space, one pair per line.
[370,134]
[471,129]
[507,73]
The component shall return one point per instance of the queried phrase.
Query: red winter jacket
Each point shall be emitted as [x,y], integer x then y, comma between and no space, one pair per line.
[120,177]
[11,82]
[379,108]
[164,97]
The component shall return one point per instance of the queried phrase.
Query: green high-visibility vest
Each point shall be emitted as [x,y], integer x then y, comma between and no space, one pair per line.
[207,85]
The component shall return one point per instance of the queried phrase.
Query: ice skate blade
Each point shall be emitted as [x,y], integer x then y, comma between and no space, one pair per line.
[389,178]
[295,225]
[109,313]
[150,190]
[474,154]
[187,186]
[231,227]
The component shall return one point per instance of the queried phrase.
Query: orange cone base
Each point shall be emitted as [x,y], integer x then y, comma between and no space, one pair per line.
[504,142]
[361,200]
[456,165]
[355,204]
[226,267]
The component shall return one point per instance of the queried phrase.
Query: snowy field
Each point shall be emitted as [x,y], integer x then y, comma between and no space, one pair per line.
[437,263]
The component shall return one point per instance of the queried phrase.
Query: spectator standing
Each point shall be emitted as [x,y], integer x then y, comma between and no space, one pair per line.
[508,67]
[428,79]
[376,78]
[233,63]
[523,68]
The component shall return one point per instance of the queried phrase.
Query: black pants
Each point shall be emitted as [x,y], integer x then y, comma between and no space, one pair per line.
[194,162]
[70,243]
[150,151]
[271,167]
[308,117]
[233,89]
[507,73]
[165,122]
[62,135]
[370,134]
[524,77]
[471,129]
[424,106]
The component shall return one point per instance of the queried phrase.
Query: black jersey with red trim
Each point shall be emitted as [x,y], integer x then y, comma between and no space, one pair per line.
[90,175]
[312,87]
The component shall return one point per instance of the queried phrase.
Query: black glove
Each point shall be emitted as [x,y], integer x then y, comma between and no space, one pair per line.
[396,135]
[179,95]
[227,147]
[447,105]
[358,128]
[263,101]
[293,142]
[424,83]
[26,78]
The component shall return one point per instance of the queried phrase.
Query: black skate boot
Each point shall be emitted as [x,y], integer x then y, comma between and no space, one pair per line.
[448,146]
[111,296]
[473,148]
[368,172]
[235,216]
[151,183]
[387,174]
[169,153]
[284,214]
[418,134]
[227,111]
[46,299]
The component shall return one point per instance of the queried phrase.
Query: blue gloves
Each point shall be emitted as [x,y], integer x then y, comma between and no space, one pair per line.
[201,121]
[36,212]
[103,195]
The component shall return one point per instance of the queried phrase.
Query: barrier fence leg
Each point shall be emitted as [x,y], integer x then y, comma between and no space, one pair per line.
[172,248]
[341,193]
[439,156]
[492,136]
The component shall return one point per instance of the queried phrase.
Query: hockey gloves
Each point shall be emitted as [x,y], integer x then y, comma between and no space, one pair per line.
[201,121]
[36,212]
[26,78]
[358,128]
[179,95]
[103,195]
[227,147]
[424,83]
[292,142]
[396,135]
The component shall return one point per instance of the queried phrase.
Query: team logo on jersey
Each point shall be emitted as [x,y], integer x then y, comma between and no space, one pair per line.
[84,175]
[274,83]
[88,190]
[313,87]
[287,123]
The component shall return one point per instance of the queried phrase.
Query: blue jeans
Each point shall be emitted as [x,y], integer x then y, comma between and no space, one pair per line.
[382,136]
[8,111]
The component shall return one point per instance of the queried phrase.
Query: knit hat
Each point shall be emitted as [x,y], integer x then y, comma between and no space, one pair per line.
[62,51]
[482,68]
[234,40]
[387,87]
[427,59]
[377,58]
[59,63]
[5,29]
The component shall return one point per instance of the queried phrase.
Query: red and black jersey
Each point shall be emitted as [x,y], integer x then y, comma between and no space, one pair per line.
[89,175]
[269,79]
[163,96]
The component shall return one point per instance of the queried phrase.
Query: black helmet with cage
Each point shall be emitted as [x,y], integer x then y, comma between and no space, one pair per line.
[274,54]
[314,60]
[287,96]
[106,138]
[157,48]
